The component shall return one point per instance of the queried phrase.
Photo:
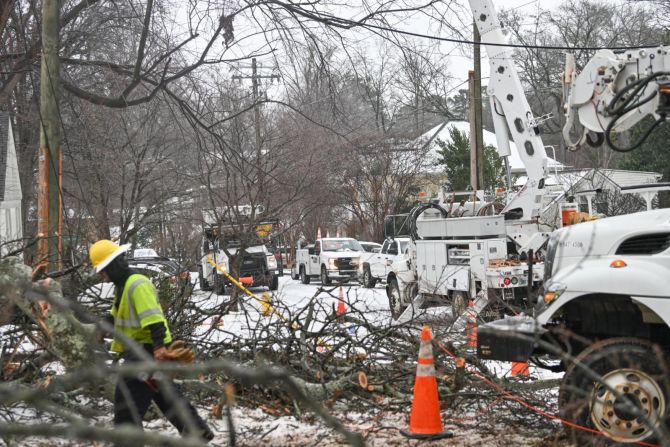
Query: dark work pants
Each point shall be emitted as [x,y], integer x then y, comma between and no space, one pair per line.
[133,396]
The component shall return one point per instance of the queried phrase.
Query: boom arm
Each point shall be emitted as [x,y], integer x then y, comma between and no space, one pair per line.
[613,92]
[511,112]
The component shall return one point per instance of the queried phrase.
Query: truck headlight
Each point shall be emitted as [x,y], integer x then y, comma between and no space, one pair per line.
[553,291]
[272,262]
[331,264]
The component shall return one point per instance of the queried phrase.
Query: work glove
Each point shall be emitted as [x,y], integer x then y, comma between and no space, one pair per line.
[179,352]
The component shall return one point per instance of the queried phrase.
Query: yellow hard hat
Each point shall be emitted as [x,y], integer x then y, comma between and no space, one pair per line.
[103,252]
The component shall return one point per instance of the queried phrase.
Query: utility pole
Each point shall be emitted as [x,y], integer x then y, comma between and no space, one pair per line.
[479,123]
[50,212]
[473,130]
[255,77]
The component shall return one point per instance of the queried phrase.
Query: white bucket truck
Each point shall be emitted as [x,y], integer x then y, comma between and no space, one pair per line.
[605,311]
[221,243]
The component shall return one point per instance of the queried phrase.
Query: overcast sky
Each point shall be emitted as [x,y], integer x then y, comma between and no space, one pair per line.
[461,61]
[456,13]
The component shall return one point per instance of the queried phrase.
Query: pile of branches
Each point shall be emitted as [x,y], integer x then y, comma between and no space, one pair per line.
[280,357]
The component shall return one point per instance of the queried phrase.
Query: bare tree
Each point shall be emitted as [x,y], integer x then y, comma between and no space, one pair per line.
[123,167]
[378,180]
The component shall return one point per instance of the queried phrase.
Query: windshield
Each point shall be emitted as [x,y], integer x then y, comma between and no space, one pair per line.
[403,246]
[342,245]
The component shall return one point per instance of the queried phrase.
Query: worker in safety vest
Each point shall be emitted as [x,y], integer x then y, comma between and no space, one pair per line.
[137,314]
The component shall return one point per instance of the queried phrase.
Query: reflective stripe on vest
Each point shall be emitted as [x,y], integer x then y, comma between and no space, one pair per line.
[133,320]
[126,323]
[146,313]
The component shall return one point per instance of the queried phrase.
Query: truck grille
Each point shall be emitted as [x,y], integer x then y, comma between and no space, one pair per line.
[252,264]
[646,244]
[344,264]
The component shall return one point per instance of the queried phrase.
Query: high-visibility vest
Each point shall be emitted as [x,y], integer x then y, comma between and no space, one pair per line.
[138,309]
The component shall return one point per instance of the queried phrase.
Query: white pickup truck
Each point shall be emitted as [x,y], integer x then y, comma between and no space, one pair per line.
[329,259]
[374,267]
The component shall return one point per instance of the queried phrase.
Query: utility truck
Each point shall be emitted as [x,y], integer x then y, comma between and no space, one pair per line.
[329,259]
[606,303]
[467,247]
[222,244]
[605,310]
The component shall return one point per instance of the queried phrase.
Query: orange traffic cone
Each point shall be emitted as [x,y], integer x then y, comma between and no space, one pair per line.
[471,326]
[424,420]
[340,304]
[520,369]
[318,233]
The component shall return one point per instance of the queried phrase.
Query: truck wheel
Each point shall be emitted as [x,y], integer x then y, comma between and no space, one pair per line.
[629,366]
[219,285]
[304,278]
[274,282]
[395,300]
[324,276]
[204,284]
[368,281]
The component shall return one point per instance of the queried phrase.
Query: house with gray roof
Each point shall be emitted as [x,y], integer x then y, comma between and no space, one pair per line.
[11,221]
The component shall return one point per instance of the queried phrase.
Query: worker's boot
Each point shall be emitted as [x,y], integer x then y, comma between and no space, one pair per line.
[203,433]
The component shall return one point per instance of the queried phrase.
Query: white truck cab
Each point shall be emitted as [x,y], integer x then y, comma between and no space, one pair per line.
[329,259]
[607,304]
[220,250]
[375,267]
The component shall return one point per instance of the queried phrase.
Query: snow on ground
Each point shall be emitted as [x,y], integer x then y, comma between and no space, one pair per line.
[254,427]
[292,296]
[257,427]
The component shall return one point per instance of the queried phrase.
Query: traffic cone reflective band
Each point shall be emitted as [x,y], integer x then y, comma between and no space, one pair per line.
[471,326]
[520,369]
[424,420]
[340,303]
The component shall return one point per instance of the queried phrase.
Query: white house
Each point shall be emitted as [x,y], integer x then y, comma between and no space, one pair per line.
[11,221]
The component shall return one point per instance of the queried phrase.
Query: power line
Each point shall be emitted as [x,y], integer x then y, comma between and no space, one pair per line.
[521,6]
[505,45]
